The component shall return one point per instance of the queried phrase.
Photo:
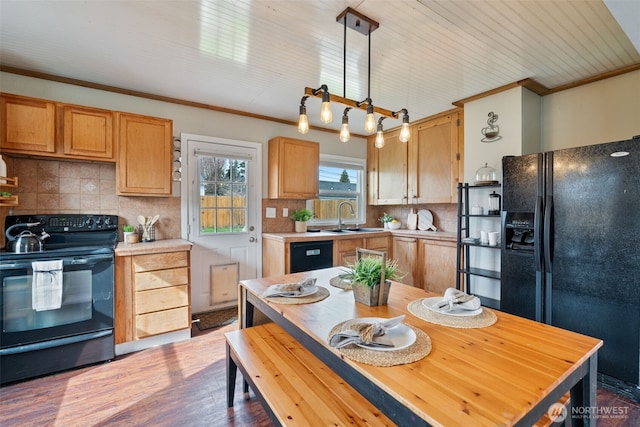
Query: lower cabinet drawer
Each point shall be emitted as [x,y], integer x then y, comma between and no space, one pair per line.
[162,321]
[162,278]
[162,299]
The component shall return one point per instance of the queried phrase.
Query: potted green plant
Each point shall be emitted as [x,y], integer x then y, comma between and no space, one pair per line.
[130,235]
[301,216]
[385,219]
[366,276]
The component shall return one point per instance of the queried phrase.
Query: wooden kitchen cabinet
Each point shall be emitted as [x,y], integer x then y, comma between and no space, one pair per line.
[28,125]
[145,155]
[387,170]
[437,265]
[429,263]
[88,133]
[434,160]
[45,128]
[293,168]
[152,295]
[344,250]
[426,169]
[405,250]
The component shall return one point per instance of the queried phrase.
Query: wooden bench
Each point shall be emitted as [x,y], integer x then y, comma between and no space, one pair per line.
[294,387]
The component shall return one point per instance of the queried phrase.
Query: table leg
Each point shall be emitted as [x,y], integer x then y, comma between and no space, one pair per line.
[232,370]
[583,397]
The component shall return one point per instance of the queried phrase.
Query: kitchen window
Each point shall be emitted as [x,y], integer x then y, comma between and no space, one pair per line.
[340,179]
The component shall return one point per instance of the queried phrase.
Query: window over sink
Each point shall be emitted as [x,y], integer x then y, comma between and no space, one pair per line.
[340,179]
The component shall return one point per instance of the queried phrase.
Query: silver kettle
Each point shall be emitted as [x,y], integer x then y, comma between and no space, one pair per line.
[26,241]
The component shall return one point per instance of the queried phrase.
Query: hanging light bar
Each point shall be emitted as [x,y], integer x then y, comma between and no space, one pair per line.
[362,105]
[364,25]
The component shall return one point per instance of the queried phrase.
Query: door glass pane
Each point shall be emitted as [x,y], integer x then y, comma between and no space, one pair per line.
[223,193]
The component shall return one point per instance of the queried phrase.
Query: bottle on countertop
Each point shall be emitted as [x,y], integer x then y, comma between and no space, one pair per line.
[412,220]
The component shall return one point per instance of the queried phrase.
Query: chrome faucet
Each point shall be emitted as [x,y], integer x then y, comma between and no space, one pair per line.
[340,212]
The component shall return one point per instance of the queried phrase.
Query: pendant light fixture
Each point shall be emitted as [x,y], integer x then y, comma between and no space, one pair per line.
[303,121]
[354,20]
[345,135]
[379,142]
[404,129]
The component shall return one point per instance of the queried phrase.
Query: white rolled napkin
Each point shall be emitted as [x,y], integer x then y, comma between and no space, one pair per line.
[289,289]
[455,299]
[371,334]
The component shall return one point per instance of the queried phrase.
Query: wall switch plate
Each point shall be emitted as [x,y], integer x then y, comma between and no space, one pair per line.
[285,212]
[271,212]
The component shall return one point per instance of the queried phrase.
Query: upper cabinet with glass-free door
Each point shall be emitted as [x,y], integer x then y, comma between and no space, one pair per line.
[424,170]
[293,168]
[45,128]
[434,160]
[28,125]
[145,155]
[387,170]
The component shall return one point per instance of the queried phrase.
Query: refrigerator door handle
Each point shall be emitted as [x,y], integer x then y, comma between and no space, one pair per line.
[548,244]
[537,227]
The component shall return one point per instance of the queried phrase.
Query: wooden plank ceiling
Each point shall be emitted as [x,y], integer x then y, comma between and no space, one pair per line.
[257,56]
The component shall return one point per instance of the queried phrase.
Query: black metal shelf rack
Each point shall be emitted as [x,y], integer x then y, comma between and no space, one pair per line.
[463,253]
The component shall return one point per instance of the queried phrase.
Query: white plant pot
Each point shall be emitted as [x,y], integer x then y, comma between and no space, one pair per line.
[130,237]
[301,226]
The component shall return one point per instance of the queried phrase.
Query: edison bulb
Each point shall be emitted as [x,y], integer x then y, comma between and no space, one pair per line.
[345,135]
[404,132]
[303,124]
[370,123]
[379,139]
[325,112]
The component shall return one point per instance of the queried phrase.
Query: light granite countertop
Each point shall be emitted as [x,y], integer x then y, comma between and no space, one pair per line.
[330,235]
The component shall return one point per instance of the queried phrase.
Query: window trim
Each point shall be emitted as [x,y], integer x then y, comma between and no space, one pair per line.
[346,163]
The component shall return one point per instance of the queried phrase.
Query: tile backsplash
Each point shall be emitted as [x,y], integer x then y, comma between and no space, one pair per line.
[56,186]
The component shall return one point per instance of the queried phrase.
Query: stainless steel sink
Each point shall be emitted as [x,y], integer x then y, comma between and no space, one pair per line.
[354,230]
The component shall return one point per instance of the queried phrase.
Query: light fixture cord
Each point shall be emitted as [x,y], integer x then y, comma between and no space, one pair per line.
[344,60]
[369,78]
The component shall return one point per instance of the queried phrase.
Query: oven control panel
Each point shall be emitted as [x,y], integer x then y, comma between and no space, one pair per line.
[66,222]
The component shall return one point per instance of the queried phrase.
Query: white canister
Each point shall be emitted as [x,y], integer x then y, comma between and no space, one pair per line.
[412,220]
[484,237]
[476,210]
[494,238]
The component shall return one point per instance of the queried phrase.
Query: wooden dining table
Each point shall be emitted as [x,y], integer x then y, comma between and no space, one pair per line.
[509,373]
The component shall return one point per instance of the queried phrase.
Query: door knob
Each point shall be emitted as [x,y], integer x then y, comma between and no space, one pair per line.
[252,239]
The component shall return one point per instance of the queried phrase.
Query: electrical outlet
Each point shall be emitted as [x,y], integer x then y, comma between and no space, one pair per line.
[285,212]
[270,212]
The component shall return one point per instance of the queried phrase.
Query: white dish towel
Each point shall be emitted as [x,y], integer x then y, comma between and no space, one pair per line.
[46,287]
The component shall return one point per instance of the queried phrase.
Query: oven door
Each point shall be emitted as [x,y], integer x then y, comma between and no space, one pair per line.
[86,304]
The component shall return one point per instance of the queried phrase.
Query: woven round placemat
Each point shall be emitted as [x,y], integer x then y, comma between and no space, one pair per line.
[340,282]
[416,351]
[318,296]
[482,320]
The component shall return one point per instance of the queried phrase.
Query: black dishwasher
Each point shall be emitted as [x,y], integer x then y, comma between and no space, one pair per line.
[307,256]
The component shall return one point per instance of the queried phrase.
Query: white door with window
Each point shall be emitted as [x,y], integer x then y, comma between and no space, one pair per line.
[221,206]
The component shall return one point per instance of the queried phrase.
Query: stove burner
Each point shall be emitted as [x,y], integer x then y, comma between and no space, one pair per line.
[65,231]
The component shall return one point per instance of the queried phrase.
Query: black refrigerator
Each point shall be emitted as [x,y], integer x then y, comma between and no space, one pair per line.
[570,253]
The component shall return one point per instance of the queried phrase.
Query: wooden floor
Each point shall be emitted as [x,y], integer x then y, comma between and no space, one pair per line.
[181,384]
